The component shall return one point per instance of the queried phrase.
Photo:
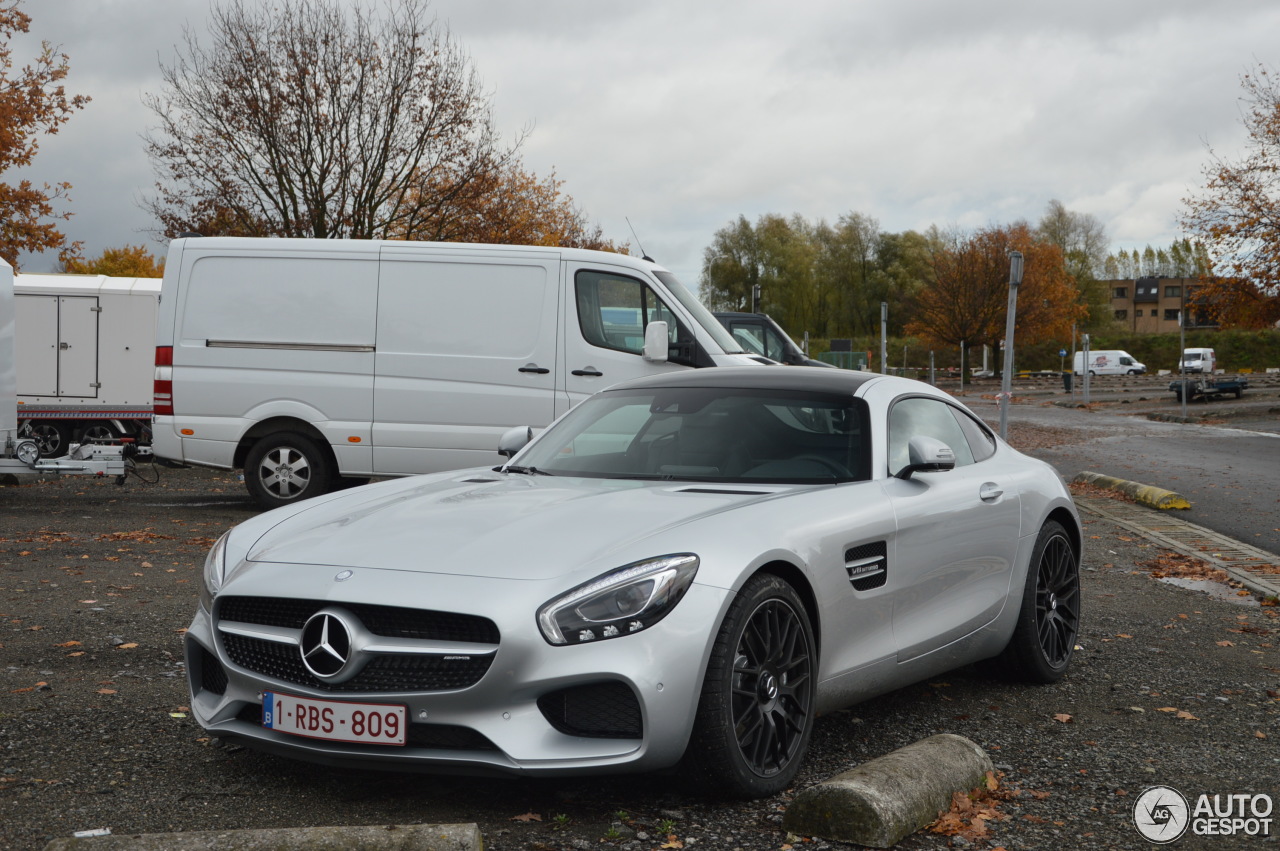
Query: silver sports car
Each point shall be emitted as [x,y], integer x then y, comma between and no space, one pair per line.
[684,567]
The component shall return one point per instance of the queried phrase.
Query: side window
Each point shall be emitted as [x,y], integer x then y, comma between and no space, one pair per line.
[748,336]
[614,310]
[981,441]
[774,347]
[930,417]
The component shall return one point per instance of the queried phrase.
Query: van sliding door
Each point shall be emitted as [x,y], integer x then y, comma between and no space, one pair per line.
[466,349]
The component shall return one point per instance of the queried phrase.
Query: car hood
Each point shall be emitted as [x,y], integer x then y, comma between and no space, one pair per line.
[507,526]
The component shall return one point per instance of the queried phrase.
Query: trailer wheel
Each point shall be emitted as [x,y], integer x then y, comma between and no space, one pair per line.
[99,432]
[52,438]
[284,468]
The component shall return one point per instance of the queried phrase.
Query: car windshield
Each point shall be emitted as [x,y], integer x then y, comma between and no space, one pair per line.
[708,435]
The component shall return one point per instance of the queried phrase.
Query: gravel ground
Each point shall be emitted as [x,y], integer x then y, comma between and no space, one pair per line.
[97,582]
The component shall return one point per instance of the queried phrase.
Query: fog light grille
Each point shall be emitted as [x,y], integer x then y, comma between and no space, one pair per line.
[598,711]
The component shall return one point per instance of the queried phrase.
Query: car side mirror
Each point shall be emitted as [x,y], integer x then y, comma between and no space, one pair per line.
[514,439]
[656,342]
[927,455]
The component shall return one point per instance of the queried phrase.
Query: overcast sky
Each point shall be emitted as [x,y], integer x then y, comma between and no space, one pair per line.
[684,115]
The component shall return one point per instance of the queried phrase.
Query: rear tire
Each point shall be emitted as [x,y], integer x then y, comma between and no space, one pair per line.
[285,468]
[1048,624]
[52,438]
[755,714]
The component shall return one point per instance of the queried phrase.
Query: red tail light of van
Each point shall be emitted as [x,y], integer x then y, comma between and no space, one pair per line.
[163,392]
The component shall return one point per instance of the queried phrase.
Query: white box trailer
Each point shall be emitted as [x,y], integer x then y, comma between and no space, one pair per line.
[84,349]
[20,454]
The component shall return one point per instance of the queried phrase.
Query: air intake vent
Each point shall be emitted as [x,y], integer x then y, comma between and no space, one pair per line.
[867,566]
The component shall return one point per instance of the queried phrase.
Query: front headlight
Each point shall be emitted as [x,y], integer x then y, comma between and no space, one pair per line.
[214,570]
[621,602]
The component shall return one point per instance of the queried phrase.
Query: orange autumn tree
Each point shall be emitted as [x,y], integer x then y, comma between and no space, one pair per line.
[505,205]
[1238,215]
[32,101]
[131,261]
[966,300]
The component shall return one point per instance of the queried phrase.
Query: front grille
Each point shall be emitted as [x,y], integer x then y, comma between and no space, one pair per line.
[213,677]
[398,673]
[435,736]
[598,711]
[391,621]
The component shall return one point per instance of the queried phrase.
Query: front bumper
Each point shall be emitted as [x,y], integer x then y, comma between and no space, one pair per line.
[620,705]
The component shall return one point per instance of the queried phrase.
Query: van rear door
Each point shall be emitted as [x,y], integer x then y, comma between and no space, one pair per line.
[466,349]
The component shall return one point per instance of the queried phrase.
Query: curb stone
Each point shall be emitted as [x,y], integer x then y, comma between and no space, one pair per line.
[881,801]
[412,837]
[1148,495]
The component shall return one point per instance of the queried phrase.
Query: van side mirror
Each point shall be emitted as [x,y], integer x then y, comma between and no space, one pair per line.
[927,455]
[655,342]
[514,439]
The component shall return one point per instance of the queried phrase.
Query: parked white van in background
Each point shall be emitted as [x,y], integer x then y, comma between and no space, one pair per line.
[1109,362]
[312,363]
[1199,360]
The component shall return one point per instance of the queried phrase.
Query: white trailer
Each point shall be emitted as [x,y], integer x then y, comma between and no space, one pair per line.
[84,349]
[20,454]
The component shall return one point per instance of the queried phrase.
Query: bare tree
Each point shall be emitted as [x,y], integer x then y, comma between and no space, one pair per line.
[318,118]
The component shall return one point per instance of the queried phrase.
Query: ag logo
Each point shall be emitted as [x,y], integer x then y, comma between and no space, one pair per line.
[1161,814]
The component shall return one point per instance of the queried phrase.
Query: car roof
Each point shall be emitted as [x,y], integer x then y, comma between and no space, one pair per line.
[811,379]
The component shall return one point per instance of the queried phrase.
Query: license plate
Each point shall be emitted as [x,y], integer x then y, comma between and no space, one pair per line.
[334,720]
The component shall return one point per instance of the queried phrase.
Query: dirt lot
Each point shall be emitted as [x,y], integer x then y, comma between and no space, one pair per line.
[97,583]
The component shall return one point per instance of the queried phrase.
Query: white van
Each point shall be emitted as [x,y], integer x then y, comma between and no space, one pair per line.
[1109,362]
[308,362]
[1199,360]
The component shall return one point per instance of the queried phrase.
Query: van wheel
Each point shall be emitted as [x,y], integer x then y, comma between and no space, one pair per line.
[284,468]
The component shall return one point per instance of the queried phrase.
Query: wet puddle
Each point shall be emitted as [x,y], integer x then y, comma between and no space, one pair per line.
[1216,590]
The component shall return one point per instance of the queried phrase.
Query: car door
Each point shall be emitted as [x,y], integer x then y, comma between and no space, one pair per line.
[605,315]
[957,530]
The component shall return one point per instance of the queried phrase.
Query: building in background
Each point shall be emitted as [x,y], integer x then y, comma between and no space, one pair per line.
[1151,305]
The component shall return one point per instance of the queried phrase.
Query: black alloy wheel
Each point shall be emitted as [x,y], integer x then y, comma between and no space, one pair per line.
[1057,601]
[755,715]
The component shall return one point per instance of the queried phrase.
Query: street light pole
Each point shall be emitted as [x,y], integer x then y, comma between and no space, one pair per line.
[1006,383]
[884,338]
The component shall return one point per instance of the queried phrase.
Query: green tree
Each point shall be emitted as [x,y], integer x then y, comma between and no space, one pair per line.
[1084,244]
[33,101]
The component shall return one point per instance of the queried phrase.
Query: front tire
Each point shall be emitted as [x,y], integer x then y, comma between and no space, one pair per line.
[52,438]
[1049,622]
[285,468]
[755,714]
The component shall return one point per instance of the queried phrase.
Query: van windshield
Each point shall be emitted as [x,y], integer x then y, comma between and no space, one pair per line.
[700,313]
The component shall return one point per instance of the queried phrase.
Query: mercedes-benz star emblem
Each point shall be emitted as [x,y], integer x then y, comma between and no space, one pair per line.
[326,645]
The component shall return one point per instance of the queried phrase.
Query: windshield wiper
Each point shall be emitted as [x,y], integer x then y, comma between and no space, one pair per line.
[528,471]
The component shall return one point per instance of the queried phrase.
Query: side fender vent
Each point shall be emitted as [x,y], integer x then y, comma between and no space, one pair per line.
[867,566]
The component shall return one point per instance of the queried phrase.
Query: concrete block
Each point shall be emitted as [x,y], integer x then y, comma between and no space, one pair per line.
[1148,495]
[881,801]
[396,837]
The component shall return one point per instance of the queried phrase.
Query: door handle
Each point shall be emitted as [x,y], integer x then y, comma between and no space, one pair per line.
[533,367]
[590,370]
[990,492]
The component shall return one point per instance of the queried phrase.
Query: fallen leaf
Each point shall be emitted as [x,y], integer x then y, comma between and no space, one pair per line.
[129,646]
[1258,734]
[1186,716]
[527,817]
[1063,717]
[68,644]
[106,691]
[1219,643]
[1167,709]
